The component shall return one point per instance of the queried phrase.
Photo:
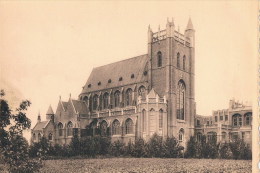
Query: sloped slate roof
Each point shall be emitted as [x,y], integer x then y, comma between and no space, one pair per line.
[80,106]
[65,104]
[114,71]
[40,125]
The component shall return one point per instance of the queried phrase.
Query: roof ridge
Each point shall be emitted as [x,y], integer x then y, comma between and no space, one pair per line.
[120,61]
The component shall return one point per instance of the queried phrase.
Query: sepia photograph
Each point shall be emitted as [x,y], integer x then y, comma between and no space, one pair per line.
[129,86]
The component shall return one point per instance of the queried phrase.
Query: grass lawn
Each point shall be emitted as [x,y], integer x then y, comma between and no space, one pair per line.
[132,165]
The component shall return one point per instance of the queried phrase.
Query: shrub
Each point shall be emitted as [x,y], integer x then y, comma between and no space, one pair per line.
[117,148]
[155,146]
[240,150]
[224,151]
[171,148]
[192,148]
[140,148]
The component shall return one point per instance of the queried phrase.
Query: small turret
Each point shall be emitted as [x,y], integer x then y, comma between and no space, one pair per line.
[49,114]
[190,32]
[39,118]
[170,28]
[150,34]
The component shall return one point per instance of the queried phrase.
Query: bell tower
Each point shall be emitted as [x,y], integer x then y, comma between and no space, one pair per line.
[171,74]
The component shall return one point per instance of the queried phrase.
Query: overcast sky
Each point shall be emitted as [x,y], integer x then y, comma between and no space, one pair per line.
[48,49]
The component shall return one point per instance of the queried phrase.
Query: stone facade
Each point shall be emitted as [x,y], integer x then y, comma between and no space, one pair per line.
[227,124]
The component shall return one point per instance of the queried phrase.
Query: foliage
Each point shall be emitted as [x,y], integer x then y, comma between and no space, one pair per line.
[192,148]
[117,148]
[140,148]
[14,148]
[155,146]
[240,149]
[172,148]
[224,151]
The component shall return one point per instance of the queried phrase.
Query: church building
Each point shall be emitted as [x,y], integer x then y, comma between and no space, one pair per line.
[136,97]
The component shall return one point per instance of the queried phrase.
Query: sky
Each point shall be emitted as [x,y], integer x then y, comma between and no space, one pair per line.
[48,49]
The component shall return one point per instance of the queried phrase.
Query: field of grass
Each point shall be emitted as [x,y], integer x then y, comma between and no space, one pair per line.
[133,165]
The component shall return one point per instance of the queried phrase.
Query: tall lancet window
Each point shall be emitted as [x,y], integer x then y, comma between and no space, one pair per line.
[117,98]
[160,118]
[159,59]
[95,102]
[129,97]
[184,62]
[181,100]
[105,100]
[178,60]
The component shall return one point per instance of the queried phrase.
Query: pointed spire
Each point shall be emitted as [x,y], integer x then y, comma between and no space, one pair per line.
[190,25]
[70,95]
[60,97]
[172,21]
[50,111]
[39,117]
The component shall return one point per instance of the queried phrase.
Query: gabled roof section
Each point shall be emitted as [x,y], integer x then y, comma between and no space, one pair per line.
[152,94]
[80,106]
[50,111]
[100,76]
[40,125]
[64,105]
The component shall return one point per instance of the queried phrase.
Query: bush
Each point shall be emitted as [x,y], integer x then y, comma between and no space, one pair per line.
[224,151]
[240,150]
[192,148]
[140,148]
[172,148]
[155,146]
[117,148]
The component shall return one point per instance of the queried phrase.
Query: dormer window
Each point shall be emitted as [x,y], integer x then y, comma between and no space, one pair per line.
[132,76]
[89,85]
[99,83]
[145,73]
[109,81]
[120,79]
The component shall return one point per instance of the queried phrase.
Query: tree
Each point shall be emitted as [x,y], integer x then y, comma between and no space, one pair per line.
[13,147]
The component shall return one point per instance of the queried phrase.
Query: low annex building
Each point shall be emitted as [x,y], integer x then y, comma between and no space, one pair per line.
[226,124]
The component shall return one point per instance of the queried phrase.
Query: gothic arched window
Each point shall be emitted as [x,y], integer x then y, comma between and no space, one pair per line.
[184,62]
[129,97]
[116,127]
[212,136]
[95,102]
[90,103]
[248,119]
[178,60]
[237,120]
[141,92]
[160,118]
[103,128]
[105,100]
[181,135]
[199,135]
[181,100]
[129,126]
[159,59]
[34,137]
[85,99]
[69,129]
[60,128]
[144,120]
[117,98]
[39,136]
[50,137]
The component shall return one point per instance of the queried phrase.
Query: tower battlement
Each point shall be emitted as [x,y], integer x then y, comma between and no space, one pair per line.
[184,39]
